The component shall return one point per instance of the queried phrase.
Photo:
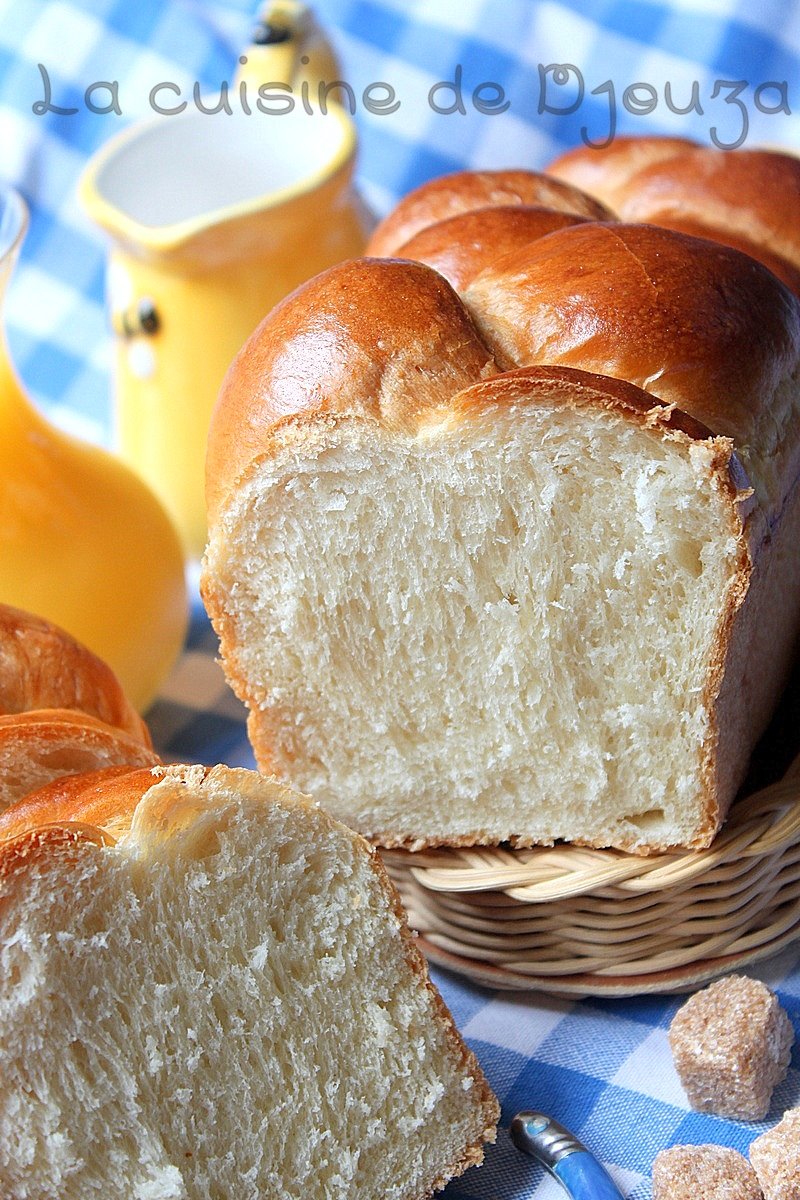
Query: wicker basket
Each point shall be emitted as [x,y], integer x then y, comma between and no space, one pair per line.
[589,922]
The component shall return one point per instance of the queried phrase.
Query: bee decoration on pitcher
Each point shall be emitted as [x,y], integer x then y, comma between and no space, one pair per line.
[139,318]
[135,321]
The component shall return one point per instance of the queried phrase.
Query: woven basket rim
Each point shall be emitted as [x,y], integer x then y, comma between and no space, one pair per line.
[575,921]
[760,826]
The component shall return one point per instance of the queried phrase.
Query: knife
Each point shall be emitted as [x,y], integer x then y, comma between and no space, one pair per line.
[578,1171]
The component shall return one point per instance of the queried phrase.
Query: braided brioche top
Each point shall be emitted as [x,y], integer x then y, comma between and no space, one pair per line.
[464,191]
[694,324]
[748,199]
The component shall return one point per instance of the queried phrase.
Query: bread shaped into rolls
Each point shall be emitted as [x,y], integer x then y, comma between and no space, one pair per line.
[519,565]
[45,744]
[748,199]
[208,988]
[467,191]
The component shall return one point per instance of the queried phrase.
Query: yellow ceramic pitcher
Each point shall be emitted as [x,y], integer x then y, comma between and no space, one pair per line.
[214,218]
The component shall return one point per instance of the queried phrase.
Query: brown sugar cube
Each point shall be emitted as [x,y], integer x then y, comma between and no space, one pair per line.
[775,1157]
[731,1045]
[703,1173]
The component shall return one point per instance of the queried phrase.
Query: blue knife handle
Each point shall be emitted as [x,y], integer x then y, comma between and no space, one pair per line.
[554,1147]
[583,1177]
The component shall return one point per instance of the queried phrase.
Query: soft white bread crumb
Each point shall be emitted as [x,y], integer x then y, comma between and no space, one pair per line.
[454,671]
[224,1003]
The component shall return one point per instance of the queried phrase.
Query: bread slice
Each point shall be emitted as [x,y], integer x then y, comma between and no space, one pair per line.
[220,999]
[62,709]
[42,666]
[467,606]
[40,746]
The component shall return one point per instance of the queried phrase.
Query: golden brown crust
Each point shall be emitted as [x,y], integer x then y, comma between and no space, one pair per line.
[753,193]
[105,799]
[41,746]
[675,315]
[748,199]
[604,173]
[460,247]
[785,271]
[391,340]
[41,666]
[466,190]
[381,338]
[570,386]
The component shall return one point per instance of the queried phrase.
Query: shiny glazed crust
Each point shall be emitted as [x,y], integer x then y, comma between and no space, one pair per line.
[460,247]
[105,799]
[464,191]
[41,666]
[45,744]
[748,199]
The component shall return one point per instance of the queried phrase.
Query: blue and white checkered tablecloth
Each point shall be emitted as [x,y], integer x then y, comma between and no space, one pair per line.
[601,1067]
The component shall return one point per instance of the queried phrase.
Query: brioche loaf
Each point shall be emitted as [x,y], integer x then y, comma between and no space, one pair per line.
[748,199]
[220,998]
[40,746]
[62,710]
[520,565]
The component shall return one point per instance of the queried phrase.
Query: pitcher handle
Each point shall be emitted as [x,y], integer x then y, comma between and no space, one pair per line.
[287,31]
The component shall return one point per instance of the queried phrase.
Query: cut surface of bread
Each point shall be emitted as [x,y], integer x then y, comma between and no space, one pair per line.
[467,605]
[457,662]
[40,746]
[225,1001]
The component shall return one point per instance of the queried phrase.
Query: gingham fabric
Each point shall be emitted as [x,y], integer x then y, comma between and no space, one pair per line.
[601,1067]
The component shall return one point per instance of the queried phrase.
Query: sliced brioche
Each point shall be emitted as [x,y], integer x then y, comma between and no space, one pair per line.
[466,606]
[219,999]
[105,797]
[62,709]
[748,199]
[42,666]
[40,746]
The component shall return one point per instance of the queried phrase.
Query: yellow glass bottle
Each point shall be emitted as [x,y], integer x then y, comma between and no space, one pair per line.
[83,541]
